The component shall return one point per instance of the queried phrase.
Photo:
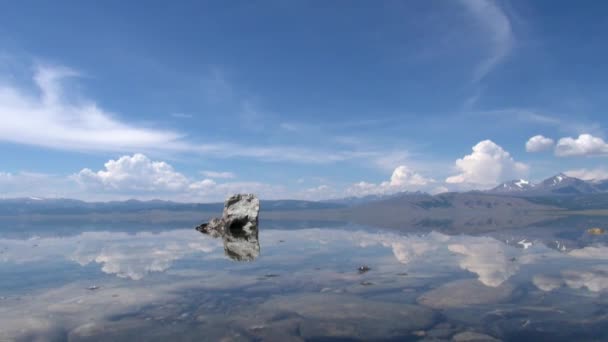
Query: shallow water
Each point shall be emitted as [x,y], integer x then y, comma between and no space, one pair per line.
[116,281]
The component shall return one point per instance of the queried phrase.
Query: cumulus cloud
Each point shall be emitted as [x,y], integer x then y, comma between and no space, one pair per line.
[594,279]
[539,143]
[122,254]
[140,177]
[402,176]
[584,145]
[588,174]
[490,259]
[402,179]
[547,283]
[136,256]
[591,252]
[50,119]
[489,164]
[134,173]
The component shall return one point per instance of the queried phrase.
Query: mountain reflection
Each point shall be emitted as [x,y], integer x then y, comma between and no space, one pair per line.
[493,261]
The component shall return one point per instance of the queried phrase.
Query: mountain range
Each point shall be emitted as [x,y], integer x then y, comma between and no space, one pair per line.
[559,191]
[559,184]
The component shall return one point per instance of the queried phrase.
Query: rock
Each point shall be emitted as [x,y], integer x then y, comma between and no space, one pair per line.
[469,336]
[363,269]
[596,231]
[241,215]
[238,227]
[214,228]
[466,292]
[328,316]
[441,331]
[419,333]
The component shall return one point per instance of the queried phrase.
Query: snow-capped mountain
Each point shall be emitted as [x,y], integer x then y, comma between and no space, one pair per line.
[559,184]
[562,184]
[602,185]
[514,186]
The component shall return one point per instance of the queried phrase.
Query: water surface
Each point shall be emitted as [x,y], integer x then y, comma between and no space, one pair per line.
[116,282]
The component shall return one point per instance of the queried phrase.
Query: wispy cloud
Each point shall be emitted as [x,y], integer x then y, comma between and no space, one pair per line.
[559,121]
[219,174]
[495,22]
[181,115]
[50,119]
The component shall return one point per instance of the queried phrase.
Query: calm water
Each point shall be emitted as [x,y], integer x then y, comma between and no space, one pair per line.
[132,282]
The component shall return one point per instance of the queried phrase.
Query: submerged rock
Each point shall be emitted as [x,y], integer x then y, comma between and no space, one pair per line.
[461,293]
[238,227]
[363,269]
[328,316]
[596,231]
[470,336]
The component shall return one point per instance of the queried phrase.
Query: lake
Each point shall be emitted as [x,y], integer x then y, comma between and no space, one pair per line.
[306,281]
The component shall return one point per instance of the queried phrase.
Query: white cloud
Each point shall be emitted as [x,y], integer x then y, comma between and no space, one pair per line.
[584,145]
[402,179]
[138,176]
[136,256]
[547,283]
[24,184]
[134,173]
[490,259]
[594,279]
[50,119]
[539,143]
[320,192]
[219,174]
[489,164]
[591,252]
[208,189]
[493,20]
[588,174]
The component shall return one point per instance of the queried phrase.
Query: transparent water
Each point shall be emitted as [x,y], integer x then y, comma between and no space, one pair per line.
[134,281]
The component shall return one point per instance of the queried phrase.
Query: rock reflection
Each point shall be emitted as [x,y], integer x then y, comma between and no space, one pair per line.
[238,247]
[241,248]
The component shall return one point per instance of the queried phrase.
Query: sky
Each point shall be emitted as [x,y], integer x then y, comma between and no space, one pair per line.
[192,101]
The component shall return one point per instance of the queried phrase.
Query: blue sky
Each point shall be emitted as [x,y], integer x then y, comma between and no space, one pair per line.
[298,99]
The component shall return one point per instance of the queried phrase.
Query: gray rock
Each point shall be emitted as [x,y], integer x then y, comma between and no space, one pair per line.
[214,228]
[241,215]
[327,315]
[470,336]
[461,293]
[238,227]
